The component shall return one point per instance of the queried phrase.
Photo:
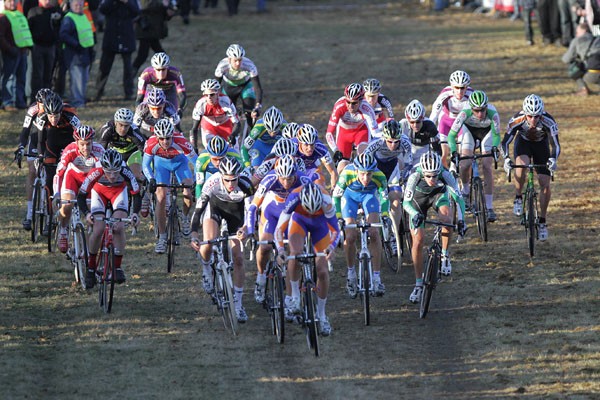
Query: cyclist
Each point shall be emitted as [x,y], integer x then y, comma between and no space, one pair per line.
[393,155]
[108,183]
[214,113]
[451,100]
[152,109]
[55,131]
[479,123]
[380,103]
[352,123]
[535,133]
[314,154]
[262,137]
[270,198]
[222,199]
[430,186]
[421,131]
[162,75]
[361,184]
[308,209]
[168,152]
[208,161]
[76,160]
[239,77]
[28,144]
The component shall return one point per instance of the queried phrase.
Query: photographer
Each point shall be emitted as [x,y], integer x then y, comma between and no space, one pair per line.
[585,50]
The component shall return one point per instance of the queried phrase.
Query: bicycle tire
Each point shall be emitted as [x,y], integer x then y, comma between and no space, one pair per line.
[480,209]
[36,222]
[365,291]
[391,259]
[228,310]
[277,303]
[310,322]
[108,281]
[171,225]
[531,222]
[80,256]
[399,236]
[429,281]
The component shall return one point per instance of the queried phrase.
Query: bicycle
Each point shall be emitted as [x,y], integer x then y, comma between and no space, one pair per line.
[308,287]
[275,295]
[529,214]
[41,200]
[105,274]
[401,235]
[365,267]
[173,219]
[431,272]
[77,253]
[476,193]
[222,267]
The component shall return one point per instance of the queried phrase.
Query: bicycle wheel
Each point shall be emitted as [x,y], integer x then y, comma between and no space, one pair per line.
[530,221]
[171,232]
[365,289]
[479,208]
[276,302]
[310,322]
[53,231]
[79,257]
[388,235]
[37,217]
[429,281]
[229,317]
[108,281]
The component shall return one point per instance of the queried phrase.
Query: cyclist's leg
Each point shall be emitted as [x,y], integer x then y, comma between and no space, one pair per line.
[248,102]
[349,212]
[344,143]
[296,234]
[467,146]
[522,151]
[488,175]
[445,123]
[162,173]
[371,208]
[541,153]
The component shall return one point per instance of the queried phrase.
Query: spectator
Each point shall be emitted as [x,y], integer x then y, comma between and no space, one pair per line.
[549,21]
[150,28]
[78,39]
[529,7]
[44,23]
[15,40]
[567,23]
[119,38]
[585,47]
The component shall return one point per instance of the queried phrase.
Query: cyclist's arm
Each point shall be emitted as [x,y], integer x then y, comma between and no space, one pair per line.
[409,191]
[257,90]
[147,166]
[201,204]
[456,126]
[454,190]
[134,188]
[381,181]
[181,97]
[552,127]
[495,126]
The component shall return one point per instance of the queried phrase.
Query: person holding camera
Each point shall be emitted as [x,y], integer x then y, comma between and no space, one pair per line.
[583,58]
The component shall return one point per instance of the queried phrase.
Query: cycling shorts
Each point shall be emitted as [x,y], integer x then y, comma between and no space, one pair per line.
[164,166]
[351,200]
[346,139]
[539,151]
[320,230]
[102,195]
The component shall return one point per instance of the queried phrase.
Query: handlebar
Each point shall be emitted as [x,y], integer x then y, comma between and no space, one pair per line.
[365,225]
[174,185]
[217,239]
[530,167]
[306,256]
[439,223]
[478,156]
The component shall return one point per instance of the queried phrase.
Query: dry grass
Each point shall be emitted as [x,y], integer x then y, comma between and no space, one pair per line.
[503,326]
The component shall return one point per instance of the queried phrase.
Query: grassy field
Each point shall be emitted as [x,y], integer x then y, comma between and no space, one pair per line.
[504,325]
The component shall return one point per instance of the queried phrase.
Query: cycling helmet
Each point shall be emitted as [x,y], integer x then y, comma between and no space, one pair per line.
[391,130]
[42,94]
[217,146]
[478,99]
[372,86]
[290,130]
[124,116]
[285,166]
[307,134]
[365,162]
[354,91]
[111,160]
[533,105]
[311,198]
[84,132]
[460,78]
[230,166]
[53,104]
[272,119]
[430,162]
[210,86]
[284,147]
[156,97]
[235,51]
[163,128]
[414,111]
[160,60]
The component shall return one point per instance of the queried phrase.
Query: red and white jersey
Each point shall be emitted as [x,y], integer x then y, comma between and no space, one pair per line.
[179,145]
[448,104]
[72,160]
[96,176]
[216,114]
[341,118]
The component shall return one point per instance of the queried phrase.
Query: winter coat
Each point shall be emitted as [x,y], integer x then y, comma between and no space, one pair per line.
[119,36]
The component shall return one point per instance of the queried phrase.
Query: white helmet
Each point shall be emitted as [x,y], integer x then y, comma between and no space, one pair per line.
[124,116]
[460,78]
[307,134]
[230,166]
[272,119]
[311,198]
[210,86]
[235,51]
[372,86]
[160,60]
[163,128]
[284,147]
[285,166]
[430,162]
[414,111]
[533,105]
[290,130]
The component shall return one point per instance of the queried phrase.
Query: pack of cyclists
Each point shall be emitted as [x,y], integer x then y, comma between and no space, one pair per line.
[281,182]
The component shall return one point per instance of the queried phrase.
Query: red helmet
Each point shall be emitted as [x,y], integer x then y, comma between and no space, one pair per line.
[354,91]
[84,132]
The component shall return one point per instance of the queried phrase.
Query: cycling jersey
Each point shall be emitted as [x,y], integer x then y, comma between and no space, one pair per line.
[446,108]
[426,138]
[126,145]
[545,128]
[144,120]
[73,167]
[172,85]
[477,128]
[204,167]
[349,187]
[234,77]
[268,164]
[175,155]
[351,128]
[319,156]
[217,119]
[383,103]
[258,144]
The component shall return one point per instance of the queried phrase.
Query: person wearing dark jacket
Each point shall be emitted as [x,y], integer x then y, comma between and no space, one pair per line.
[44,22]
[150,28]
[119,38]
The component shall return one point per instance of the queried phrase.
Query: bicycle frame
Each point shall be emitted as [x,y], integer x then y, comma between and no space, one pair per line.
[274,299]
